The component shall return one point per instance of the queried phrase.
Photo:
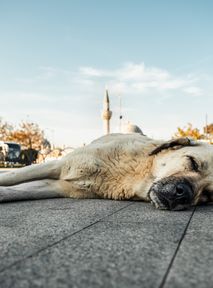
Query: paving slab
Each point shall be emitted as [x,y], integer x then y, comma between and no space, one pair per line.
[29,226]
[132,247]
[193,264]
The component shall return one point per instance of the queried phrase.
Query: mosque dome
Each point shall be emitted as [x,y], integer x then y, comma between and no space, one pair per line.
[131,128]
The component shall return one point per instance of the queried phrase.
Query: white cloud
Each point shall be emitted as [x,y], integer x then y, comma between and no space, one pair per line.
[196,91]
[129,78]
[137,78]
[89,71]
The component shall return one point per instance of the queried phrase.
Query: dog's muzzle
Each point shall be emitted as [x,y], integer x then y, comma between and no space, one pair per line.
[171,193]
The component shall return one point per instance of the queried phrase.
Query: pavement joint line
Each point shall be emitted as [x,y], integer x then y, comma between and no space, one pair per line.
[61,240]
[176,250]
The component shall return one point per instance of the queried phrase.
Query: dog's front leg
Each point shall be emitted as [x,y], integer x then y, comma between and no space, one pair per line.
[33,190]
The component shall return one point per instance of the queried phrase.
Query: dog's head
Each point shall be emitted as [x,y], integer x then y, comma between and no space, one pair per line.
[183,174]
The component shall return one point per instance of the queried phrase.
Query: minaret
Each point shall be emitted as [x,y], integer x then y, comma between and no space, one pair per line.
[106,114]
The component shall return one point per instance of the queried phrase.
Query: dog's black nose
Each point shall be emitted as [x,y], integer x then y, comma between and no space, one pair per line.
[180,197]
[181,189]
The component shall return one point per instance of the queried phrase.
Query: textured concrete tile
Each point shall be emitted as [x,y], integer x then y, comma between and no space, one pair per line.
[129,249]
[26,227]
[145,213]
[193,265]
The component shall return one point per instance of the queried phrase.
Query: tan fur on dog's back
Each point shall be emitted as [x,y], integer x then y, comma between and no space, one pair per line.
[109,166]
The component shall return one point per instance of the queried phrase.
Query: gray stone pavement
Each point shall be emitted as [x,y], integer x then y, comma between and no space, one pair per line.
[103,243]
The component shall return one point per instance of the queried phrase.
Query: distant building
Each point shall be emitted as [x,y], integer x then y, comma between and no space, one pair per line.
[131,128]
[106,114]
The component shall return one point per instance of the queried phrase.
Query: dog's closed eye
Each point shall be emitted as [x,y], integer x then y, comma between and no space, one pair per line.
[193,164]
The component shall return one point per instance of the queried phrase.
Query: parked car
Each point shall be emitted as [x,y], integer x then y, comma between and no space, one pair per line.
[13,154]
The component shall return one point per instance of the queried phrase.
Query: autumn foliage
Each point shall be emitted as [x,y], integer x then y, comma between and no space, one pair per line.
[195,133]
[28,134]
[189,131]
[209,129]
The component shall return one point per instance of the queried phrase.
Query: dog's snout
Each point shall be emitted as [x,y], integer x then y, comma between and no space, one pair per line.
[173,193]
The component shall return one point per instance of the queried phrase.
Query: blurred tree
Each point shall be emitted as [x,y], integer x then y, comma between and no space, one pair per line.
[189,131]
[208,129]
[5,130]
[29,135]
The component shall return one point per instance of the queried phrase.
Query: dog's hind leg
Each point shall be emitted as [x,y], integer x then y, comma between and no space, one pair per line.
[40,189]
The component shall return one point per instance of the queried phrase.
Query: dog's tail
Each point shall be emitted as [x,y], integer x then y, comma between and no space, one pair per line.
[49,170]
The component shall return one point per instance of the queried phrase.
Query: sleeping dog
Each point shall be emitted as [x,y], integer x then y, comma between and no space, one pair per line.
[172,175]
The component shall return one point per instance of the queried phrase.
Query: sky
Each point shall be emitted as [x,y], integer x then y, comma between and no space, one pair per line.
[57,57]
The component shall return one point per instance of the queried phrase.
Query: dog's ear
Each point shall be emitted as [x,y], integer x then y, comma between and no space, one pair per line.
[179,142]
